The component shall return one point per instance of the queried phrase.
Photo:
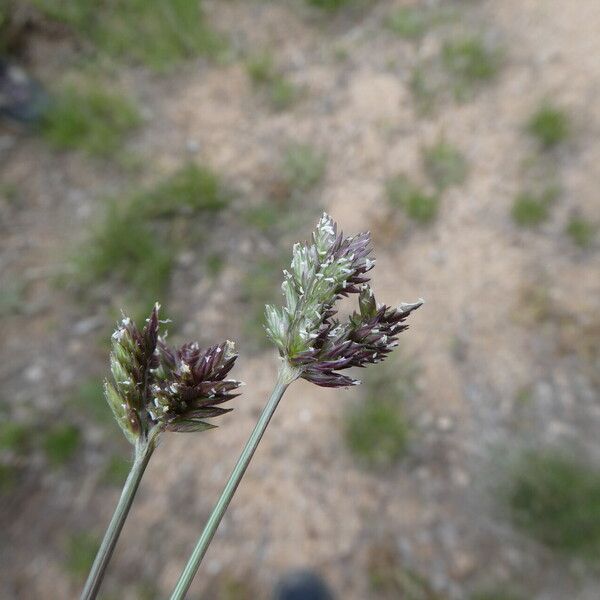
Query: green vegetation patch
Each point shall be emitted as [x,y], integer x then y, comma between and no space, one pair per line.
[15,437]
[376,430]
[60,443]
[581,231]
[90,118]
[418,205]
[445,165]
[127,249]
[330,4]
[530,209]
[470,62]
[156,33]
[8,477]
[265,75]
[133,243]
[549,125]
[191,189]
[556,499]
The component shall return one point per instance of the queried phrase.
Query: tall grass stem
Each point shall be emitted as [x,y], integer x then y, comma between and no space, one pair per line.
[188,574]
[143,454]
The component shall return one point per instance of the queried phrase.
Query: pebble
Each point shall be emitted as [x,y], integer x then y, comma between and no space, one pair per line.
[445,424]
[192,146]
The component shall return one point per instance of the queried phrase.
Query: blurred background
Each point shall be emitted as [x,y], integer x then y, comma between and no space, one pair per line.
[173,151]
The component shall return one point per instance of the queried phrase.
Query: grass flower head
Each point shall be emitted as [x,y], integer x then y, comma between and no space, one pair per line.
[306,331]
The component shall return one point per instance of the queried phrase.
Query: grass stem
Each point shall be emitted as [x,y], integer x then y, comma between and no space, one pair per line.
[188,574]
[143,454]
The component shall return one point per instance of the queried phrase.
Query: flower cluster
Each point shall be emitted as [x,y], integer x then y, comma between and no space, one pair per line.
[157,387]
[190,384]
[305,330]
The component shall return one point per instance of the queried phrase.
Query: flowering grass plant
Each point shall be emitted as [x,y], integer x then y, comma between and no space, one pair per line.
[312,342]
[157,388]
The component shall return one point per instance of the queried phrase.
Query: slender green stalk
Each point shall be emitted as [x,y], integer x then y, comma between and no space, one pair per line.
[143,452]
[188,574]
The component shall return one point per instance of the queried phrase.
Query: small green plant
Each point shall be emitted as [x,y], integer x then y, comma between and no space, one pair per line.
[549,125]
[156,33]
[409,22]
[444,164]
[556,498]
[581,231]
[470,62]
[303,167]
[133,244]
[418,205]
[125,248]
[191,189]
[14,437]
[81,550]
[282,93]
[531,209]
[90,118]
[60,443]
[376,430]
[377,433]
[265,75]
